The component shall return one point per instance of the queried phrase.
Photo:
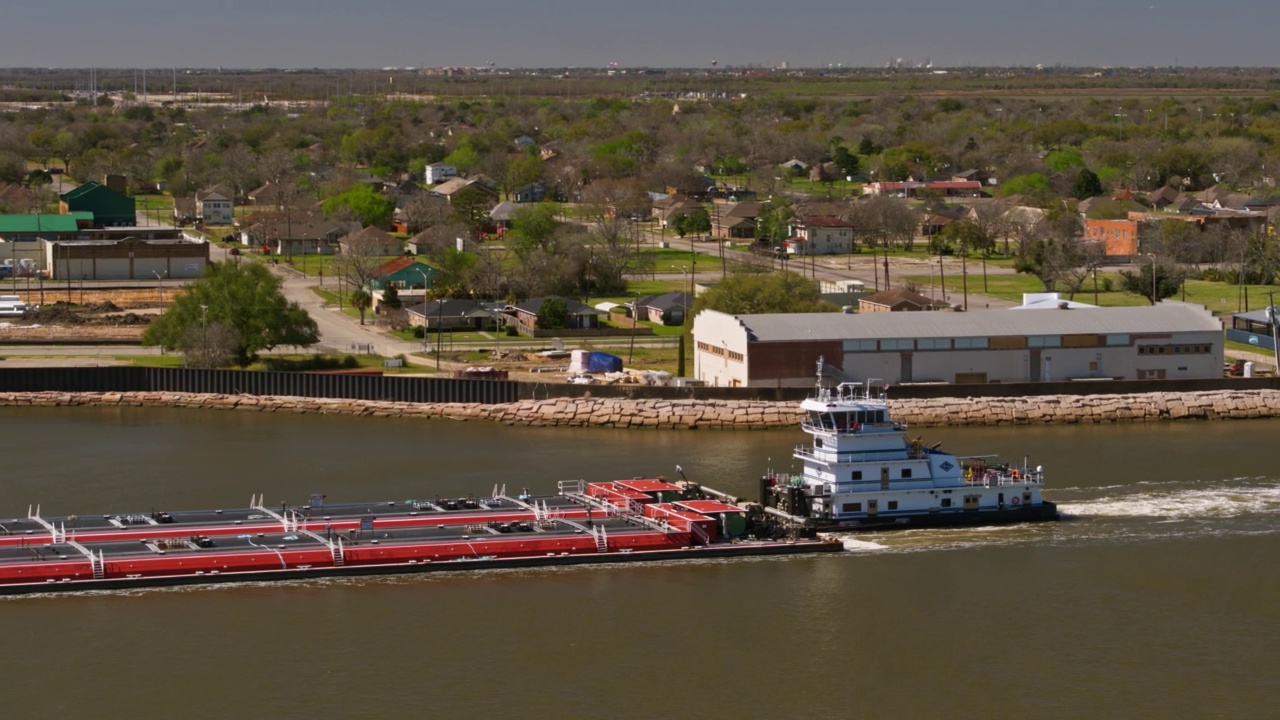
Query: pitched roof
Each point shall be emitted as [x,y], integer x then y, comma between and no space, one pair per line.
[451,186]
[215,190]
[370,234]
[894,296]
[828,221]
[573,307]
[452,307]
[745,209]
[394,266]
[666,301]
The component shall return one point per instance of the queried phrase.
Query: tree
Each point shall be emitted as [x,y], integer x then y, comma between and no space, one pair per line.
[553,313]
[425,210]
[362,203]
[391,298]
[697,222]
[1033,186]
[361,300]
[236,306]
[773,221]
[1087,185]
[471,206]
[784,292]
[1167,281]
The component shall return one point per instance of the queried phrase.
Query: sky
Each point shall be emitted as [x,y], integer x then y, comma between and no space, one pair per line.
[635,33]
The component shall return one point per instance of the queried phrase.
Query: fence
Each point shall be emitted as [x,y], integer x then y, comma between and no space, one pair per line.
[239,382]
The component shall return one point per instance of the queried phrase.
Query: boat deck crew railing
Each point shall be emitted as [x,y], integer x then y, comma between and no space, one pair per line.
[857,456]
[854,429]
[989,478]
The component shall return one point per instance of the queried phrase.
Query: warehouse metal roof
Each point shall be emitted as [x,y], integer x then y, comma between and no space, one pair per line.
[39,223]
[1168,316]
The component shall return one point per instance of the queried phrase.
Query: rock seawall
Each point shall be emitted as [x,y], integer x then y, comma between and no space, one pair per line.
[730,414]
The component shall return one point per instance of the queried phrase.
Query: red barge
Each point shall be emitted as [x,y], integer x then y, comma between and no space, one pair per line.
[621,521]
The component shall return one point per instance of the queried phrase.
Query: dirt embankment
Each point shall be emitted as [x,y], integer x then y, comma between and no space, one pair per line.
[100,318]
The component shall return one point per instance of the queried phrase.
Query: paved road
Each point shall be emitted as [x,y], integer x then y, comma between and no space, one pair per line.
[339,333]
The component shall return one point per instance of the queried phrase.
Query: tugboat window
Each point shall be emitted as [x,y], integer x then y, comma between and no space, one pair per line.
[852,507]
[893,504]
[906,472]
[946,502]
[855,475]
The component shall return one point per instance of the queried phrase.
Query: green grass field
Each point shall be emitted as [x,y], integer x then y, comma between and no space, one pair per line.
[1219,298]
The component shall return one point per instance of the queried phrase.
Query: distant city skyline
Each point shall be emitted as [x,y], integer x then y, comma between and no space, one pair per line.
[655,33]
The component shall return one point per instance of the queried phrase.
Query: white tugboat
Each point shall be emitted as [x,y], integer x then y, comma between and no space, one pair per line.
[862,473]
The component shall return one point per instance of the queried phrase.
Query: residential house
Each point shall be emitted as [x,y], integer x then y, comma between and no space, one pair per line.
[898,300]
[821,235]
[578,316]
[933,224]
[268,194]
[667,309]
[532,193]
[453,314]
[1164,197]
[370,241]
[974,175]
[734,220]
[666,208]
[912,188]
[449,188]
[437,173]
[110,208]
[794,166]
[292,233]
[215,206]
[403,273]
[501,214]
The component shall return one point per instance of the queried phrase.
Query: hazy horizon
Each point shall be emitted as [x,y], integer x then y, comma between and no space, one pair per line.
[660,33]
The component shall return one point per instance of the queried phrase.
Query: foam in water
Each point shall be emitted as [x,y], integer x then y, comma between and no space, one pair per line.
[854,545]
[1226,499]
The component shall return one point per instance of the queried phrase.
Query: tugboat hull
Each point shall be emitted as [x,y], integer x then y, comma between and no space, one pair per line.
[1043,512]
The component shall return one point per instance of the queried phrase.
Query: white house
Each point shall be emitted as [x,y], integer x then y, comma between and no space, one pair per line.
[215,206]
[821,236]
[439,172]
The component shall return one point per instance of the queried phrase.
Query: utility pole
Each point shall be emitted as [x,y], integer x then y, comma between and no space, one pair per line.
[1275,328]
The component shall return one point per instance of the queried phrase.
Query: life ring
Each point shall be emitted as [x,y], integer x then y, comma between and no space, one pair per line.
[1015,474]
[1015,501]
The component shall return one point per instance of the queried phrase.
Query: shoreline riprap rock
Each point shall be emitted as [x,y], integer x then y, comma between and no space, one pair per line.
[716,414]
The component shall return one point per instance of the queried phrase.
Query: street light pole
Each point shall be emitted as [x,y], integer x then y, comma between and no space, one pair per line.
[439,330]
[160,288]
[204,334]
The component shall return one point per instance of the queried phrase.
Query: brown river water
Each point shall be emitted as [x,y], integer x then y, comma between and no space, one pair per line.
[1157,597]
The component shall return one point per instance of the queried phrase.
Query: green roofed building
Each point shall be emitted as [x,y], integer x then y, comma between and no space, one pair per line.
[109,207]
[22,228]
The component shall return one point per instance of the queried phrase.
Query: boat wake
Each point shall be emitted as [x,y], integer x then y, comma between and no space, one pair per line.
[1118,514]
[1237,497]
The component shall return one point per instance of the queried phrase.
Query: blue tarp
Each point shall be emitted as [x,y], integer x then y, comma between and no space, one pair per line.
[601,362]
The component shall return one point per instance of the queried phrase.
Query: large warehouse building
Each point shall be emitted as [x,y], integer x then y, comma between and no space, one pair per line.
[1169,340]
